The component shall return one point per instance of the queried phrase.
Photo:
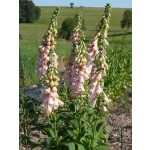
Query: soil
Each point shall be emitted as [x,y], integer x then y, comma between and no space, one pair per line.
[120,124]
[119,118]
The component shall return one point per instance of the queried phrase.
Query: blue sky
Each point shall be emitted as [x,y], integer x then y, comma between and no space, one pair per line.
[85,3]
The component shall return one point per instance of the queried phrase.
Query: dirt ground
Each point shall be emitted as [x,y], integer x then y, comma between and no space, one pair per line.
[120,125]
[119,120]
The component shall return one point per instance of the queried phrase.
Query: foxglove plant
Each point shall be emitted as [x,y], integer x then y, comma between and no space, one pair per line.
[47,68]
[76,71]
[96,63]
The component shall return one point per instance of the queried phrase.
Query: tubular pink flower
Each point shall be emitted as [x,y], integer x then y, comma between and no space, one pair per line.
[93,102]
[92,52]
[98,89]
[107,101]
[105,109]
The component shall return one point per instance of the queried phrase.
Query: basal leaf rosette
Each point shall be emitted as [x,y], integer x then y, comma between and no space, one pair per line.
[47,68]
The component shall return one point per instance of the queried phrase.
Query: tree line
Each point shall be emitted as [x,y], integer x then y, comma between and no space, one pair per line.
[28,12]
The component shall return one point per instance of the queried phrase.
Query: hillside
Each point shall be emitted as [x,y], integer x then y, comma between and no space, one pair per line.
[92,16]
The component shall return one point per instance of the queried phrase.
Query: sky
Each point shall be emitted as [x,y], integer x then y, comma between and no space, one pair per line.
[85,3]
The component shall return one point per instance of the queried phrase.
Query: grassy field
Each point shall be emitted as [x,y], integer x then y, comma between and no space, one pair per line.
[92,16]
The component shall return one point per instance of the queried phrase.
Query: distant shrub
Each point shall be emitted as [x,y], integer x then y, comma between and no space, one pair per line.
[67,28]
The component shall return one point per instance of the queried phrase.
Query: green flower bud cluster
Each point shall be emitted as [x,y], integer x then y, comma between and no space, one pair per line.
[78,45]
[51,33]
[103,26]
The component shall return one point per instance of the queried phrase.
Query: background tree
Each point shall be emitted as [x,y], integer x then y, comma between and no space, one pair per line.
[126,22]
[28,12]
[67,27]
[71,4]
[37,12]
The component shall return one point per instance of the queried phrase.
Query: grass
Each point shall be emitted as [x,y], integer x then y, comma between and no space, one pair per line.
[92,16]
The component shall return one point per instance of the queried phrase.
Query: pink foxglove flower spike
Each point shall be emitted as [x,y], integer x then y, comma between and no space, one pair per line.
[76,71]
[47,65]
[96,63]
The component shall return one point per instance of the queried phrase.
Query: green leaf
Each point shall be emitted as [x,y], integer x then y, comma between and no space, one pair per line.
[33,121]
[49,142]
[103,136]
[88,109]
[102,146]
[52,132]
[48,132]
[85,126]
[45,132]
[59,123]
[99,124]
[29,101]
[90,132]
[72,134]
[87,122]
[80,147]
[75,123]
[71,145]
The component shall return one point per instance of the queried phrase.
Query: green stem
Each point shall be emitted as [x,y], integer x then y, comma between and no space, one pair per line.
[55,130]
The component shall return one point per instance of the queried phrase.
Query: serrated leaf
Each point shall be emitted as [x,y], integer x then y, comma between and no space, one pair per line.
[49,142]
[71,145]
